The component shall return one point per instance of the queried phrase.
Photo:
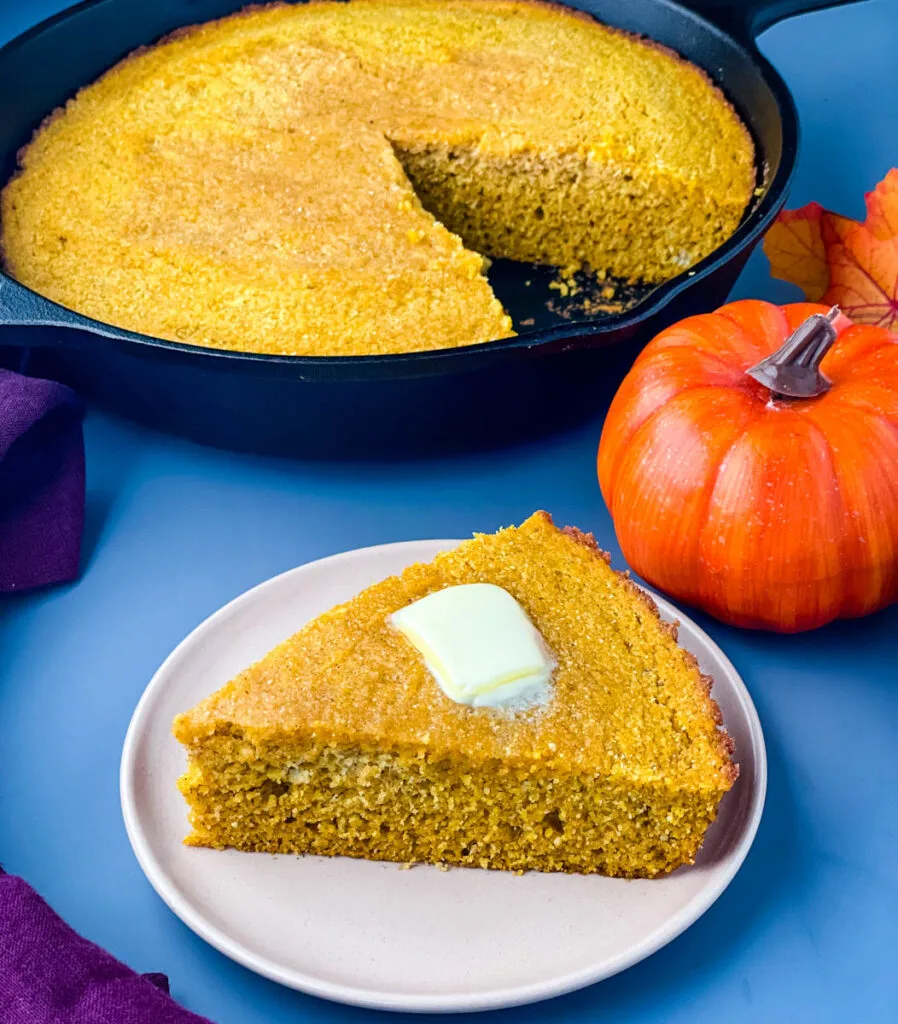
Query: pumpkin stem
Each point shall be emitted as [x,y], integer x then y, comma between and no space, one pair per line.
[793,371]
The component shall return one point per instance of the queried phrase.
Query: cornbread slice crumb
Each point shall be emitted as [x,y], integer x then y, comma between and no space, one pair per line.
[340,742]
[319,178]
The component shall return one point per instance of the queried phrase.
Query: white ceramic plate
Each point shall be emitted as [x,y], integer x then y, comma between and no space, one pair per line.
[370,933]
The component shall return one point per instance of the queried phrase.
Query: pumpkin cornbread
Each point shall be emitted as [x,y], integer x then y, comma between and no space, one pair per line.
[313,178]
[340,742]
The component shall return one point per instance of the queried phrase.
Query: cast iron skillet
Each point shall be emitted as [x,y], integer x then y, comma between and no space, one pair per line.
[555,370]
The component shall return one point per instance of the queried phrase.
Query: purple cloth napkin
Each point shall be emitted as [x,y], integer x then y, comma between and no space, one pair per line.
[41,482]
[50,975]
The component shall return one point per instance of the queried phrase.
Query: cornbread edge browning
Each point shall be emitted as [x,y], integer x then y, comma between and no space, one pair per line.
[706,682]
[510,183]
[340,743]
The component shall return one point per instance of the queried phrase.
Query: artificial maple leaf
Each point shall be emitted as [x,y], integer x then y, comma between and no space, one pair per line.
[840,261]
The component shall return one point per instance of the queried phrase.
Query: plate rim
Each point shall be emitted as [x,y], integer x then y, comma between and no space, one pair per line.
[368,998]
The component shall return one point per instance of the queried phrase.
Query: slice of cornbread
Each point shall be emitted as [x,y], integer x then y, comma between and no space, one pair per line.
[340,742]
[257,183]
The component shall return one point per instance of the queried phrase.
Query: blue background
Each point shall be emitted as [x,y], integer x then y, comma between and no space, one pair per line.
[809,929]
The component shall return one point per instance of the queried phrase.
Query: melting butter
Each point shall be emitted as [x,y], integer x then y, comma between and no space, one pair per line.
[480,646]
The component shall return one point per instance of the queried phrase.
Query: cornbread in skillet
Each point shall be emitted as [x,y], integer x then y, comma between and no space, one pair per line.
[340,742]
[321,178]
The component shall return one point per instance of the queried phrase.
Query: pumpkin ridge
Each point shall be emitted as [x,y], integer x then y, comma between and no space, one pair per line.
[767,512]
[612,455]
[831,454]
[862,406]
[815,432]
[620,451]
[850,576]
[714,357]
[746,336]
[709,495]
[657,411]
[750,417]
[662,342]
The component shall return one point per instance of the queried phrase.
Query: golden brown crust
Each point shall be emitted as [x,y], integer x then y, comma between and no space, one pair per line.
[340,742]
[706,682]
[653,44]
[527,173]
[328,680]
[562,10]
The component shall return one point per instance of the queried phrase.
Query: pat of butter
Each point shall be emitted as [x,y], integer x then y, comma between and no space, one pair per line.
[479,645]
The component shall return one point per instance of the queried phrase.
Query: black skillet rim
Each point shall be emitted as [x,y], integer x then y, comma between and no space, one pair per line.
[430,363]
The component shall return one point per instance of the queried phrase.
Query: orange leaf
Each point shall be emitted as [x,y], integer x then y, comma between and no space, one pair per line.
[840,262]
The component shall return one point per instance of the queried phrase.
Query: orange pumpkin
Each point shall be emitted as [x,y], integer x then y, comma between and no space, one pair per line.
[768,512]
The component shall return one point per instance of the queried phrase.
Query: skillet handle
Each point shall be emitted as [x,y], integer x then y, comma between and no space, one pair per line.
[746,19]
[21,307]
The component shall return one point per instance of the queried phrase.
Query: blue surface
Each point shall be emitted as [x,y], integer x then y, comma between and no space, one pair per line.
[808,930]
